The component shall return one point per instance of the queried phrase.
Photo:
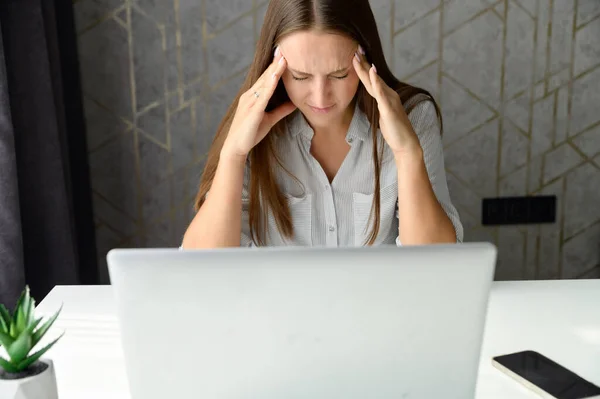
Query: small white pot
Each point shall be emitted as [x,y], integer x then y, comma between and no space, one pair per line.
[39,386]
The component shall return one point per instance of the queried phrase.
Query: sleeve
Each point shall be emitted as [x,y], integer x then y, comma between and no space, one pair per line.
[425,123]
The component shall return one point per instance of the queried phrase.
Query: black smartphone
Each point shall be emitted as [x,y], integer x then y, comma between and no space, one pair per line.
[544,376]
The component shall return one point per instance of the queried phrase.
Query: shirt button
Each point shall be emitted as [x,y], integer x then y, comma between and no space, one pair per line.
[331,228]
[350,140]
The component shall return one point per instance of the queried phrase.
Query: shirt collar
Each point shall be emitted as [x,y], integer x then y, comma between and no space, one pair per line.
[360,127]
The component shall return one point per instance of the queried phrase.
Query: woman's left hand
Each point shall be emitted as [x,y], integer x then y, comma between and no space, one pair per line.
[393,121]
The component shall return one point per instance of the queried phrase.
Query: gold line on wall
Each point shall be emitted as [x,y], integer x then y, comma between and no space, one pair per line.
[561,230]
[519,5]
[136,151]
[194,127]
[497,13]
[546,78]
[583,25]
[153,139]
[543,185]
[108,110]
[517,95]
[471,19]
[546,95]
[572,69]
[148,108]
[109,139]
[418,71]
[581,231]
[554,118]
[416,21]
[104,18]
[517,128]
[578,151]
[456,82]
[120,22]
[586,72]
[531,102]
[587,129]
[112,205]
[178,44]
[465,184]
[471,131]
[254,21]
[392,48]
[229,78]
[230,24]
[548,46]
[149,17]
[502,85]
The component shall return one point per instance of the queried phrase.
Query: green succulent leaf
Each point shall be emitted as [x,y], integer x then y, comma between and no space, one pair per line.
[20,348]
[21,320]
[44,328]
[31,311]
[5,319]
[6,340]
[12,331]
[8,367]
[3,326]
[23,345]
[26,305]
[33,358]
[20,301]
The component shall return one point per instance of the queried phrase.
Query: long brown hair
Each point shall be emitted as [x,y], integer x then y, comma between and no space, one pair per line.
[352,18]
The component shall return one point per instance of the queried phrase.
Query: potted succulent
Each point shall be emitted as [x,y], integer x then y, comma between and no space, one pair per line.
[23,374]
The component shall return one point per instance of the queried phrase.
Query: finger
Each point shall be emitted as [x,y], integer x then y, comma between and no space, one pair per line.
[361,68]
[376,84]
[257,89]
[271,118]
[269,71]
[270,84]
[381,90]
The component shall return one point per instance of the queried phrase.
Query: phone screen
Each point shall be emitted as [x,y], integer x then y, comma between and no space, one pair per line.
[548,375]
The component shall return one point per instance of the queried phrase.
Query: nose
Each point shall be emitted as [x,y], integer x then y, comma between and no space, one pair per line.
[320,93]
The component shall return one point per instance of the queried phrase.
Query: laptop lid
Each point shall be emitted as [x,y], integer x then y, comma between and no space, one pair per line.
[316,323]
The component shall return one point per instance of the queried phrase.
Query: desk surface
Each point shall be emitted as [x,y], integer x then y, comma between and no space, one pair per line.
[560,319]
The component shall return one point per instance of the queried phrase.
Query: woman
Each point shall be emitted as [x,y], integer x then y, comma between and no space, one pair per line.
[317,148]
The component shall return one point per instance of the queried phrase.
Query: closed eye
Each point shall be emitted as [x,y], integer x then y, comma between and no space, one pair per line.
[335,77]
[341,77]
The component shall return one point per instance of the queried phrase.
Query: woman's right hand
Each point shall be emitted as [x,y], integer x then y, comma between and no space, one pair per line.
[251,122]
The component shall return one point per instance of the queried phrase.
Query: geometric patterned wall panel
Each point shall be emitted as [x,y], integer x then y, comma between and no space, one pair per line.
[518,82]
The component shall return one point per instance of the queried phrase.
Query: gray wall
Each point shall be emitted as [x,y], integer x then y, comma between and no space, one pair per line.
[518,83]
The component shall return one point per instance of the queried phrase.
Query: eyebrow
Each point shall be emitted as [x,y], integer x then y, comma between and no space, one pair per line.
[331,73]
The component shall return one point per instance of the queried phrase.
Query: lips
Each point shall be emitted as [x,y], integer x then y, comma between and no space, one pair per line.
[321,110]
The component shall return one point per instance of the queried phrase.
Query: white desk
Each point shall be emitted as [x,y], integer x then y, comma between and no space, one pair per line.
[560,319]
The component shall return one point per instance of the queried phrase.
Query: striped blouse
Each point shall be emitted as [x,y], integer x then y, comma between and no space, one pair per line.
[337,214]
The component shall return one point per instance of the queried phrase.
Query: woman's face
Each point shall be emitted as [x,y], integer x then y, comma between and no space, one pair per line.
[320,79]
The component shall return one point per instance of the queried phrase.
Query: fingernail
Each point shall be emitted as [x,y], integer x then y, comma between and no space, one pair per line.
[281,61]
[276,51]
[361,50]
[357,57]
[374,68]
[274,76]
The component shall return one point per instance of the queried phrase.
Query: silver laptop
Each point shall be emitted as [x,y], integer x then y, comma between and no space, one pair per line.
[310,323]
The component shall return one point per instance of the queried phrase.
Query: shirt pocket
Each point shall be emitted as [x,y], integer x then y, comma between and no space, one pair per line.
[361,209]
[301,214]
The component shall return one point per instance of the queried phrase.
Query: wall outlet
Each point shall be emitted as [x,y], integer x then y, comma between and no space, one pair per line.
[518,210]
